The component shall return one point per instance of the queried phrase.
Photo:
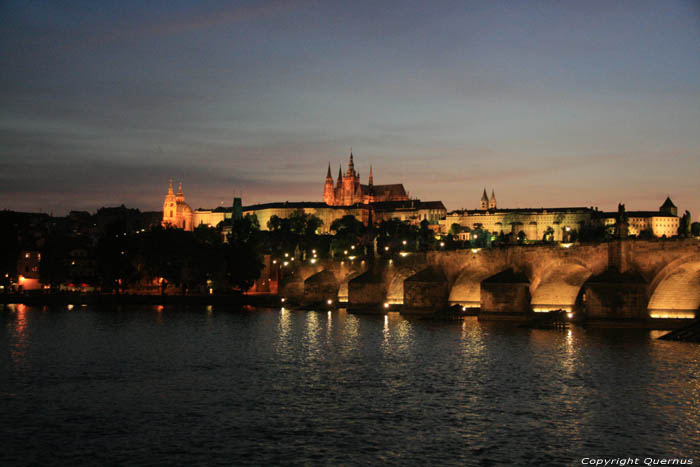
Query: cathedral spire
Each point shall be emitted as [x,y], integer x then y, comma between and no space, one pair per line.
[179,188]
[351,166]
[328,175]
[492,201]
[340,175]
[170,187]
[371,178]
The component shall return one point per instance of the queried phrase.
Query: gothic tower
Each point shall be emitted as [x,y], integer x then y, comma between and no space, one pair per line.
[492,201]
[328,194]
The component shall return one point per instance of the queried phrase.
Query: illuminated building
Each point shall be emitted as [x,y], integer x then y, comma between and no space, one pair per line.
[176,212]
[662,223]
[556,224]
[348,190]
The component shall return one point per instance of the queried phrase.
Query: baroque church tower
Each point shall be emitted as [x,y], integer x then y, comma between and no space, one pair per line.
[176,212]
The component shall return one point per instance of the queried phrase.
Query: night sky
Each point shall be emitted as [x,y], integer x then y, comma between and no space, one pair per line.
[550,103]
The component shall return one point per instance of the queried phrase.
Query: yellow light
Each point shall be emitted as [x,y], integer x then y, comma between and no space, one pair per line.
[352,257]
[313,251]
[286,255]
[211,291]
[283,299]
[672,314]
[386,248]
[442,244]
[70,307]
[329,301]
[313,260]
[404,242]
[274,261]
[386,304]
[404,253]
[352,247]
[464,308]
[475,250]
[346,252]
[569,315]
[286,263]
[566,245]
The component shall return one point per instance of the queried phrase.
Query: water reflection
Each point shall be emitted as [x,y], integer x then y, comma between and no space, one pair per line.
[311,340]
[266,386]
[19,334]
[284,327]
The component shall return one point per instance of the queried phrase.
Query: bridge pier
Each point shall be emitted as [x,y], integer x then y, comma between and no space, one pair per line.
[615,295]
[320,288]
[505,295]
[367,293]
[425,292]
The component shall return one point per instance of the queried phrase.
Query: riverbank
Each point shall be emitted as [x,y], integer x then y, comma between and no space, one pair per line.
[236,299]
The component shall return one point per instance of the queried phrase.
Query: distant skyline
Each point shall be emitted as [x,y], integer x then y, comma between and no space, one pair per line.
[549,103]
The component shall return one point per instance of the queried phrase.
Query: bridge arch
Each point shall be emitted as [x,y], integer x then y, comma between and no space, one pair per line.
[343,289]
[397,276]
[675,290]
[559,285]
[466,289]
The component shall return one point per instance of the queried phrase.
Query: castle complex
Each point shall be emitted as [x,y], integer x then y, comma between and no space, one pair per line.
[347,196]
[557,224]
[372,203]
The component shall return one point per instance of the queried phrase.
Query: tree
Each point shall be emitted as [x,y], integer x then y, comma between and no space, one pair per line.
[393,233]
[55,260]
[426,237]
[695,229]
[243,261]
[9,250]
[349,233]
[684,228]
[646,234]
[548,235]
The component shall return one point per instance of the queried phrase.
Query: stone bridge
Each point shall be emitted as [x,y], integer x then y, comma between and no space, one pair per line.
[620,279]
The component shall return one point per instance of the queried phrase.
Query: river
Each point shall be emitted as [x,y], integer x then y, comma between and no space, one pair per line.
[202,386]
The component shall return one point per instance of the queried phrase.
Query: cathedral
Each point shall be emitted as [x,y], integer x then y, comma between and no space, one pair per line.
[348,190]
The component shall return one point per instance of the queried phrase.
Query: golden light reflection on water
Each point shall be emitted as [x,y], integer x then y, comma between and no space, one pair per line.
[284,327]
[19,334]
[311,332]
[472,335]
[350,331]
[329,326]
